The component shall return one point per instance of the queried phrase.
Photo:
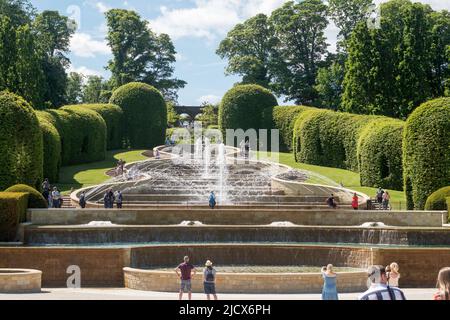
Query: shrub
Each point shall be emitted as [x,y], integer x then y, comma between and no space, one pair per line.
[35,198]
[426,156]
[82,132]
[113,116]
[329,138]
[13,208]
[20,142]
[243,106]
[438,199]
[284,118]
[145,114]
[51,147]
[380,154]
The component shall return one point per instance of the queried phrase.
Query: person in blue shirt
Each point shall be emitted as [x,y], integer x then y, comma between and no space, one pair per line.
[329,291]
[212,200]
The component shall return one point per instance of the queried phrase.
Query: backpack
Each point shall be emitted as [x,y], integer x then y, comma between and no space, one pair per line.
[209,275]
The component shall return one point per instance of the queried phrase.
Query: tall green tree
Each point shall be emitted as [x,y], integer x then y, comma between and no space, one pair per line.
[53,37]
[74,90]
[300,29]
[7,52]
[139,54]
[346,14]
[209,115]
[393,69]
[250,50]
[329,86]
[172,116]
[94,90]
[20,12]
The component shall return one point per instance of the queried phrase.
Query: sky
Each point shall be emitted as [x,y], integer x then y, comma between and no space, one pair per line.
[195,26]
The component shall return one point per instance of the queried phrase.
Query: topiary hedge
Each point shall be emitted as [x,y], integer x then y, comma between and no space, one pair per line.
[284,118]
[20,142]
[35,199]
[426,156]
[51,146]
[328,138]
[380,154]
[438,199]
[82,132]
[243,107]
[13,208]
[113,116]
[144,112]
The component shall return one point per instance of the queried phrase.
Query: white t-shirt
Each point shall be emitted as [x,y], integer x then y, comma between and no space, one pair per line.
[378,291]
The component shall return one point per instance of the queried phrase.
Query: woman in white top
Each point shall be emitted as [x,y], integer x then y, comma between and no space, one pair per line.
[393,275]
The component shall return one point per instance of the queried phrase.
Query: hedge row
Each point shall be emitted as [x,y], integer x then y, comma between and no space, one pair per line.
[113,116]
[20,142]
[426,156]
[82,132]
[380,154]
[51,146]
[438,199]
[144,113]
[328,138]
[35,198]
[243,107]
[13,208]
[284,118]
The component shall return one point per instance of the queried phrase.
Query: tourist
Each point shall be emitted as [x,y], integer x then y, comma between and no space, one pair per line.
[212,200]
[45,188]
[379,196]
[331,202]
[157,155]
[82,200]
[56,198]
[247,149]
[209,280]
[379,289]
[392,272]
[443,284]
[111,199]
[329,291]
[355,201]
[106,200]
[50,200]
[167,143]
[386,198]
[119,200]
[187,271]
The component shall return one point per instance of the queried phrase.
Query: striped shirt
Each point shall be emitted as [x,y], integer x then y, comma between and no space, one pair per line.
[380,291]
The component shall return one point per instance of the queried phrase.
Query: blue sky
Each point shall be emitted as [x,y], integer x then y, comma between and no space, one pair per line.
[195,26]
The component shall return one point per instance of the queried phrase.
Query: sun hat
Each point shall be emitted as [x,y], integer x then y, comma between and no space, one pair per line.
[208,263]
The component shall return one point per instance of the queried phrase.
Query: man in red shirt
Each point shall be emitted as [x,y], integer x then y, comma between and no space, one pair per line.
[187,271]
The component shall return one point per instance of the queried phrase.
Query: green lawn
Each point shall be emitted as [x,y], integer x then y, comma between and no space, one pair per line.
[85,175]
[348,178]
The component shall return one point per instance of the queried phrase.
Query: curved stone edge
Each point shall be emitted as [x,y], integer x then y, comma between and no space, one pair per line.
[165,281]
[20,280]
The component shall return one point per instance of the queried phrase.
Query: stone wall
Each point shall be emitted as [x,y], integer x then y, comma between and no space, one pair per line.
[20,281]
[236,216]
[161,281]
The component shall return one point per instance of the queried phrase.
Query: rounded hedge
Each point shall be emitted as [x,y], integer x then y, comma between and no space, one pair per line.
[328,138]
[438,199]
[145,114]
[380,154]
[113,116]
[20,142]
[426,156]
[13,209]
[35,198]
[243,107]
[284,118]
[82,132]
[51,146]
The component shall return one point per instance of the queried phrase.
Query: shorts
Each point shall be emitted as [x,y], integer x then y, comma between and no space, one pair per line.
[210,287]
[186,285]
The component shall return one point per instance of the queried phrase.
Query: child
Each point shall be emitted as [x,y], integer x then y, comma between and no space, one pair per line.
[393,275]
[443,284]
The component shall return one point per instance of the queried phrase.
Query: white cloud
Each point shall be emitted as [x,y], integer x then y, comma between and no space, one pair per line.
[102,8]
[85,71]
[83,45]
[211,98]
[209,18]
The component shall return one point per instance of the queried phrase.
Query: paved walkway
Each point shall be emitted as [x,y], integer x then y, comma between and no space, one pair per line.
[127,294]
